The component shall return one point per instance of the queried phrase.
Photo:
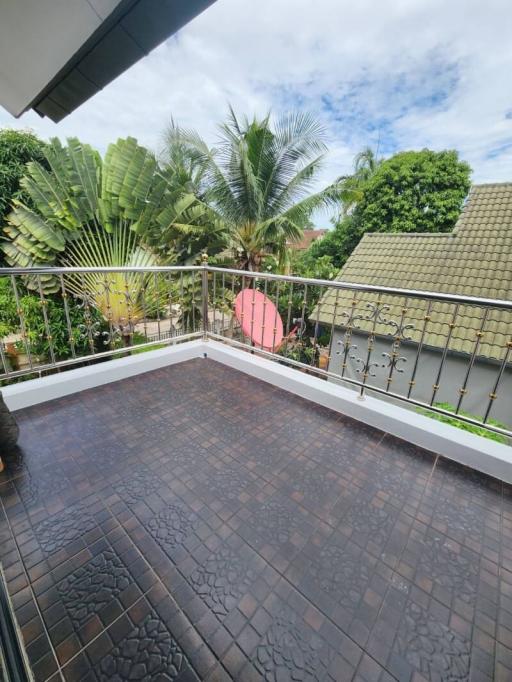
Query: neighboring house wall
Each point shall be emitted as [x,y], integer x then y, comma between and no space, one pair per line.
[481,380]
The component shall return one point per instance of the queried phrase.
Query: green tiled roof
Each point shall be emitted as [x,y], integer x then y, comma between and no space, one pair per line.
[474,260]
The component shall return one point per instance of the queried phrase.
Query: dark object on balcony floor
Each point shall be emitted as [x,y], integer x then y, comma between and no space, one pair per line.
[194,523]
[9,430]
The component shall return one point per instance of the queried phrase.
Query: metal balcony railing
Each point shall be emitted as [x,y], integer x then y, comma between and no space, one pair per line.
[445,354]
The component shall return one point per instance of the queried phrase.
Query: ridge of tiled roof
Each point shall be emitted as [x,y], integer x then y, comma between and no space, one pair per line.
[475,259]
[504,183]
[308,237]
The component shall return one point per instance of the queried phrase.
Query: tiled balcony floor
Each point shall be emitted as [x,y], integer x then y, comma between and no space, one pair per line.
[194,523]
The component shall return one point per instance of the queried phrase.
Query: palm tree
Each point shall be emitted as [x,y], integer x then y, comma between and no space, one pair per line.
[256,185]
[352,186]
[188,227]
[91,212]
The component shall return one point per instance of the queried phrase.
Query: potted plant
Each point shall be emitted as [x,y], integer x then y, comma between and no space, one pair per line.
[21,355]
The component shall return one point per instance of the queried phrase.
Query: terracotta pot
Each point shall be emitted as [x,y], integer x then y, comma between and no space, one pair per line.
[12,355]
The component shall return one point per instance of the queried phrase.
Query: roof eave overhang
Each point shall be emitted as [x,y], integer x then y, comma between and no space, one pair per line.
[127,34]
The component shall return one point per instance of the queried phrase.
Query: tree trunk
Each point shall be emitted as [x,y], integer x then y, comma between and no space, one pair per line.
[126,335]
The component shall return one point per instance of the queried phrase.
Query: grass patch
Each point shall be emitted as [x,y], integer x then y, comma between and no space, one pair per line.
[140,338]
[478,430]
[136,351]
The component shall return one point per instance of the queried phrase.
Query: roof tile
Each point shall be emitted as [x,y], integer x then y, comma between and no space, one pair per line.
[474,260]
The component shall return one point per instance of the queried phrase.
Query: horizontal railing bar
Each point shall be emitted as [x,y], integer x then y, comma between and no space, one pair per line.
[121,268]
[245,278]
[35,369]
[333,284]
[370,288]
[331,375]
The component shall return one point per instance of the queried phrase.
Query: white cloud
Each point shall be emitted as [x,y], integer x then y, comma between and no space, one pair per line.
[407,74]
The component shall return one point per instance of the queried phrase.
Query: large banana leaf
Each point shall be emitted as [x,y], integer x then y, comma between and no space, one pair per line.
[80,194]
[118,296]
[118,211]
[36,229]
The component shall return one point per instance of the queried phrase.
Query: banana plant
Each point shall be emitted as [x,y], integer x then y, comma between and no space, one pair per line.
[95,212]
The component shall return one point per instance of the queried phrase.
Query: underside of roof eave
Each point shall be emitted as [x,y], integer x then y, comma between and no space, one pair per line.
[126,31]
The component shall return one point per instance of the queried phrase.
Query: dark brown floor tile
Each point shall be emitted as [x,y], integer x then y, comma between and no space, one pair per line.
[84,595]
[299,643]
[374,524]
[312,485]
[462,519]
[275,526]
[453,480]
[285,541]
[141,645]
[416,634]
[344,581]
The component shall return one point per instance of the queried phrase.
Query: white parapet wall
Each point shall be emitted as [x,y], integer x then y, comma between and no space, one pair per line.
[36,391]
[461,446]
[466,448]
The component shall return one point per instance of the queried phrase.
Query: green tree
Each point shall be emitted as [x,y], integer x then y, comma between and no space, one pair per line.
[17,148]
[190,228]
[414,192]
[257,183]
[337,244]
[410,192]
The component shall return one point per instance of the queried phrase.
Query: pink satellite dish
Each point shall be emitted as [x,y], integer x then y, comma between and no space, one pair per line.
[259,318]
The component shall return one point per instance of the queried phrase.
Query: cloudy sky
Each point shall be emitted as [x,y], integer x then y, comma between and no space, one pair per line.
[393,75]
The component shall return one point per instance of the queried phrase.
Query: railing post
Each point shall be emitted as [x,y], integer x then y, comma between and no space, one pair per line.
[204,294]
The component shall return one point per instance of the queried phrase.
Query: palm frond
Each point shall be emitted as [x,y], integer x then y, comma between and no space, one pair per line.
[116,295]
[297,187]
[257,181]
[300,212]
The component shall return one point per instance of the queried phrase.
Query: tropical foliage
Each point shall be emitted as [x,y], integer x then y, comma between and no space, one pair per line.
[64,338]
[320,268]
[415,192]
[472,428]
[337,244]
[244,201]
[366,163]
[257,184]
[91,212]
[17,147]
[187,228]
[409,192]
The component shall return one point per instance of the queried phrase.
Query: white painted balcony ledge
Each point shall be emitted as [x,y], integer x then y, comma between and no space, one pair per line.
[482,454]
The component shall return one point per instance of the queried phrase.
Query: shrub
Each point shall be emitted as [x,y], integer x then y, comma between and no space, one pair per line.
[478,430]
[35,328]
